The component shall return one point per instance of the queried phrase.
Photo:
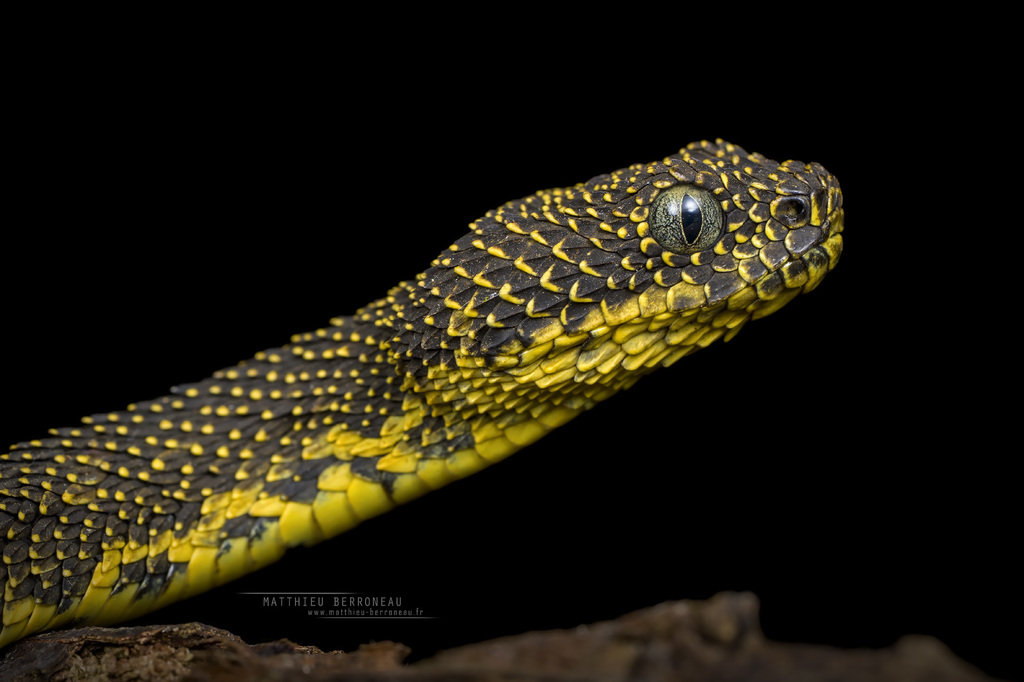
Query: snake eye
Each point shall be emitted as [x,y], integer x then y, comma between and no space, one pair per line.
[685,219]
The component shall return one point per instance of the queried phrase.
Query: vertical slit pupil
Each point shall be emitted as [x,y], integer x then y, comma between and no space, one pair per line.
[691,219]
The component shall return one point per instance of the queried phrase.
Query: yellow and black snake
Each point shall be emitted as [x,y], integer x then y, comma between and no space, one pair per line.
[547,306]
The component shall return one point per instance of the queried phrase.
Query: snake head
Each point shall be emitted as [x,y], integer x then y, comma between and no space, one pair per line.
[599,283]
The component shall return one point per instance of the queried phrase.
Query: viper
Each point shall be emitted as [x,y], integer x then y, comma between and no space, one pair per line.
[547,306]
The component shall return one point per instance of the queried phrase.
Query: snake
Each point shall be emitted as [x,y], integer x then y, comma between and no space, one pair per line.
[547,306]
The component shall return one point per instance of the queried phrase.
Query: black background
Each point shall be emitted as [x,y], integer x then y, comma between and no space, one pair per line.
[845,459]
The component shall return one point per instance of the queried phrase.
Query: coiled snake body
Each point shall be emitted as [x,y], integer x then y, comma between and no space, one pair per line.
[549,305]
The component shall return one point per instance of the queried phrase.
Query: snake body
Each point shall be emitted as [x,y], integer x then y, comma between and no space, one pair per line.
[547,306]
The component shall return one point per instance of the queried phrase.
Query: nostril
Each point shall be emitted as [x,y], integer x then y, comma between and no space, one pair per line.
[792,211]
